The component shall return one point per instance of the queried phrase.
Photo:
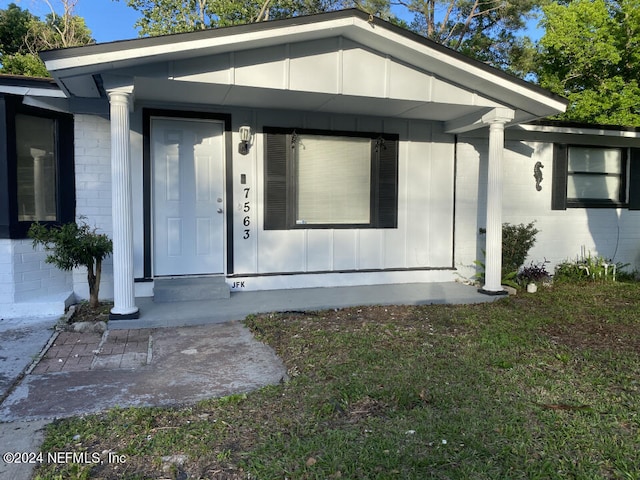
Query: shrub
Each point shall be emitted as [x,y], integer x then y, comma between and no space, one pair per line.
[588,269]
[72,245]
[517,240]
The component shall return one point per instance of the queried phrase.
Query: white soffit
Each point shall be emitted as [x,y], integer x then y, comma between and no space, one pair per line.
[32,91]
[582,130]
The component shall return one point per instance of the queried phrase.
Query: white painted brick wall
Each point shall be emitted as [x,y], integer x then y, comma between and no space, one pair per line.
[33,277]
[7,287]
[611,233]
[93,191]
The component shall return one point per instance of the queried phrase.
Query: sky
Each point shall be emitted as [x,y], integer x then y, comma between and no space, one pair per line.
[112,20]
[108,20]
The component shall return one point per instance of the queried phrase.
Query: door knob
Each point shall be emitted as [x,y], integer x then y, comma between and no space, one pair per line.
[219,210]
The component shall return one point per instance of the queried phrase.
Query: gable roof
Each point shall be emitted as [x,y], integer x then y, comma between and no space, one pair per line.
[388,52]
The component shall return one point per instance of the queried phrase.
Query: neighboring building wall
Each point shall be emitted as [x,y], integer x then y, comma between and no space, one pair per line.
[564,234]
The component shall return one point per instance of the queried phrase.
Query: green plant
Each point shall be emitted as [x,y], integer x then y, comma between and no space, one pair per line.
[534,273]
[588,268]
[73,245]
[517,240]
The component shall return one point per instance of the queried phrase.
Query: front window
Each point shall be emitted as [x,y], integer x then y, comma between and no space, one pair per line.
[37,180]
[330,179]
[333,180]
[36,168]
[596,174]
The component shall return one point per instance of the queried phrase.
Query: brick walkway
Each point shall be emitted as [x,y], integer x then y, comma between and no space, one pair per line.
[73,352]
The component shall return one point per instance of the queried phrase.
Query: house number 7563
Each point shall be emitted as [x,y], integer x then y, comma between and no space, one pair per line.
[246,208]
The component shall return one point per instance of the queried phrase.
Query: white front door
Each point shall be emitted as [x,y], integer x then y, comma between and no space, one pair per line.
[188,196]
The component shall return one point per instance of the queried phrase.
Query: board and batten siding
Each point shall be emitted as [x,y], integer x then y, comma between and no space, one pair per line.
[423,239]
[613,233]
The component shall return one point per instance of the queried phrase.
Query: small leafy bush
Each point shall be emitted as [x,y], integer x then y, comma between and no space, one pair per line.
[75,245]
[517,240]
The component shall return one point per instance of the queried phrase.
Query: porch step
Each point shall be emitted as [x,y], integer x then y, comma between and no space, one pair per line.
[186,289]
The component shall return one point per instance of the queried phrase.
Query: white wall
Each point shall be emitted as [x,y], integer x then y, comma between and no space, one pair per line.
[93,191]
[425,207]
[28,285]
[611,233]
[423,239]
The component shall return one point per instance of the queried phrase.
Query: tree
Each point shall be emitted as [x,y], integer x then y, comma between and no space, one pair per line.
[58,30]
[487,30]
[26,64]
[23,35]
[590,54]
[14,26]
[72,245]
[160,17]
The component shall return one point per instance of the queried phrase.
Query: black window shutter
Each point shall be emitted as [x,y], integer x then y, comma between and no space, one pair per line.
[634,180]
[387,197]
[559,181]
[275,181]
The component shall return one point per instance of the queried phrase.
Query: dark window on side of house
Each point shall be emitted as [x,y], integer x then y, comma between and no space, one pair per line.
[329,179]
[36,167]
[595,177]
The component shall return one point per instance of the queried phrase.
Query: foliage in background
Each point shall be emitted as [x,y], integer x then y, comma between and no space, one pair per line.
[484,29]
[487,30]
[23,35]
[72,245]
[589,54]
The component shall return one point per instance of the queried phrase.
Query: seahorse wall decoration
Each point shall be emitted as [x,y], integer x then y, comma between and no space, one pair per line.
[537,174]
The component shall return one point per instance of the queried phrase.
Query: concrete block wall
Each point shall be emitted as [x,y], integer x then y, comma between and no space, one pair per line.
[29,285]
[7,286]
[93,191]
[34,278]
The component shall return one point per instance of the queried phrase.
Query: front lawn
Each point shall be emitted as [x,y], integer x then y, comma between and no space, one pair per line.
[535,386]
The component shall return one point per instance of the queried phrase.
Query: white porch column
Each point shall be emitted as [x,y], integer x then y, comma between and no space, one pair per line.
[121,205]
[493,261]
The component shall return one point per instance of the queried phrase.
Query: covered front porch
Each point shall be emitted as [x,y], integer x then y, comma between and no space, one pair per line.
[241,304]
[310,70]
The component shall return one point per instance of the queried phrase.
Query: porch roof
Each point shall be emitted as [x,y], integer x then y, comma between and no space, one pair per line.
[454,89]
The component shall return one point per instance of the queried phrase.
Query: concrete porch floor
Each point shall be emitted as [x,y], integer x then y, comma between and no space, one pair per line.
[241,304]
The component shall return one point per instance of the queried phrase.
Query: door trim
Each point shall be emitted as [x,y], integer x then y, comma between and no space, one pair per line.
[147,179]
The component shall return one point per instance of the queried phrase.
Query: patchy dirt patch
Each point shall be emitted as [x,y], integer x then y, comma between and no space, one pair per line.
[596,335]
[84,312]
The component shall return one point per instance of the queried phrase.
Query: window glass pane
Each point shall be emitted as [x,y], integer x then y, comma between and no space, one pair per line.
[595,160]
[35,145]
[333,180]
[603,187]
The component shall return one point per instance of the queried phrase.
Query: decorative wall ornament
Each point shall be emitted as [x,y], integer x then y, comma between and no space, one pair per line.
[537,174]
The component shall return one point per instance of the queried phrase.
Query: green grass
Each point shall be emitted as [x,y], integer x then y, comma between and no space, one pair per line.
[538,386]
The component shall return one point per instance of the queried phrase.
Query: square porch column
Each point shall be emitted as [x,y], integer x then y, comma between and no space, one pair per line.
[121,206]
